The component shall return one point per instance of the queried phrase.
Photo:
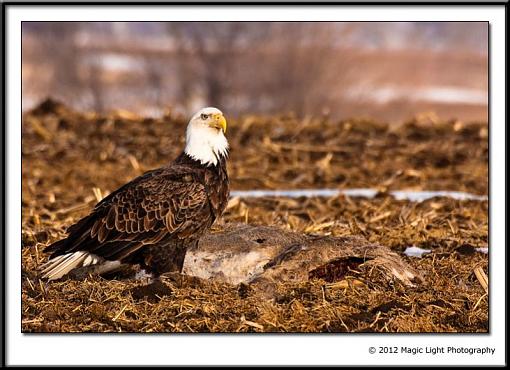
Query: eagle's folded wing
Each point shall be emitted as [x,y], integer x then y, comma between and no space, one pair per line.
[143,212]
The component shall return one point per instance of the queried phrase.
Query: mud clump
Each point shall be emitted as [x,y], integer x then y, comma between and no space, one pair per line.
[152,292]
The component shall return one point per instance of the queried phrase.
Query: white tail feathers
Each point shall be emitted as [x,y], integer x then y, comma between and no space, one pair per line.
[61,265]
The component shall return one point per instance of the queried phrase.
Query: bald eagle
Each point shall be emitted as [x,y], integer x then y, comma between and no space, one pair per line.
[153,219]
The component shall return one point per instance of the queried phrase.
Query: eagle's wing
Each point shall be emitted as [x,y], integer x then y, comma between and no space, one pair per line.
[161,203]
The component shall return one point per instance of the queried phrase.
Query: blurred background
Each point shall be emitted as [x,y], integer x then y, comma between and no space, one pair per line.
[384,70]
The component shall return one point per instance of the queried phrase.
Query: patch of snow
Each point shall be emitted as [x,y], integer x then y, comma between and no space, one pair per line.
[411,195]
[420,196]
[416,251]
[482,250]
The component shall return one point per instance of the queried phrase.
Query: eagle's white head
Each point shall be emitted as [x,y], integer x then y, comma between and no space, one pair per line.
[205,139]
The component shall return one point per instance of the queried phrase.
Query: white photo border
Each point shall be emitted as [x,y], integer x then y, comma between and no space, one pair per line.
[250,349]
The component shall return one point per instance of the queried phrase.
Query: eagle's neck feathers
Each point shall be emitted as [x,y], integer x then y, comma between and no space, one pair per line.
[206,145]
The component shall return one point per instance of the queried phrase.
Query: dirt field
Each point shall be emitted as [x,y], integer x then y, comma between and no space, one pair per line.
[70,160]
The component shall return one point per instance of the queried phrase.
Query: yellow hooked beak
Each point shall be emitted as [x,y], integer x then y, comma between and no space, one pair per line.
[219,122]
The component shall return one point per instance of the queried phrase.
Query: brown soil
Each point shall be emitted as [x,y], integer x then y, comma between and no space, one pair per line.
[70,160]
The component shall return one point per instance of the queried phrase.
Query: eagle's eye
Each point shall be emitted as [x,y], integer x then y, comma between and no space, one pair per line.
[204,116]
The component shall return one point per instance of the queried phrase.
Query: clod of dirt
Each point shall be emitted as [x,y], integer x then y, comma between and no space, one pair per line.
[244,290]
[28,240]
[153,292]
[49,105]
[388,306]
[466,249]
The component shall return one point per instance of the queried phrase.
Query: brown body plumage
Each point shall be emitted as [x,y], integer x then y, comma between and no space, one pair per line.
[150,221]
